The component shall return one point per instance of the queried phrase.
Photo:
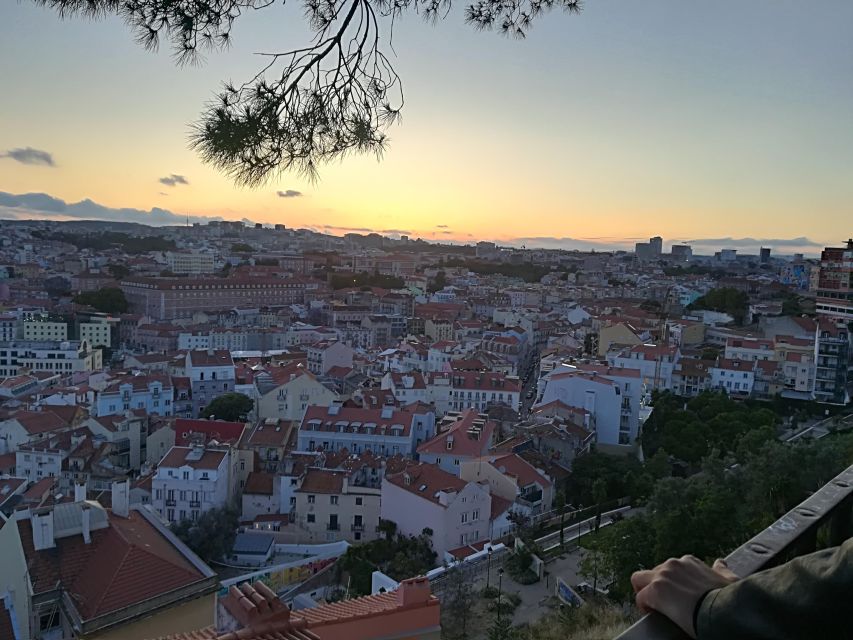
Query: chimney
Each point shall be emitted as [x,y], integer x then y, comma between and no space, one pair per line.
[86,515]
[413,591]
[121,498]
[79,491]
[42,524]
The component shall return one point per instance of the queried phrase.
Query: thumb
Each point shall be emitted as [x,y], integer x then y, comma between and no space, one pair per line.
[722,568]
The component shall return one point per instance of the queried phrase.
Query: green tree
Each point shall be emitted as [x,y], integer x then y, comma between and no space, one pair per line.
[118,271]
[439,282]
[456,603]
[231,407]
[726,300]
[212,535]
[242,247]
[310,105]
[560,506]
[599,495]
[106,300]
[388,528]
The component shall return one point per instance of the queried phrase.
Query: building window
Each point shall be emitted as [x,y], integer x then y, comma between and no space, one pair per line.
[359,501]
[475,514]
[309,518]
[464,517]
[311,499]
[333,499]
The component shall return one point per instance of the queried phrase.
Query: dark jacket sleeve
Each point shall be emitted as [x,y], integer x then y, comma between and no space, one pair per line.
[808,597]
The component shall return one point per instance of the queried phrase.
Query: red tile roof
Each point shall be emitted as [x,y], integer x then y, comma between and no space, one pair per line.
[409,611]
[516,467]
[323,420]
[219,430]
[37,422]
[323,481]
[270,435]
[125,564]
[177,457]
[459,441]
[426,480]
[259,483]
[211,358]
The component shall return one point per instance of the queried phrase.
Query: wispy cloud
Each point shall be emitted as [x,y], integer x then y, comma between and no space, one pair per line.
[581,244]
[28,155]
[745,243]
[290,193]
[41,205]
[347,229]
[441,226]
[173,180]
[398,231]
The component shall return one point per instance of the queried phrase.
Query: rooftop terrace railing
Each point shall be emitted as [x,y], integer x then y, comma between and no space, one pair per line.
[794,534]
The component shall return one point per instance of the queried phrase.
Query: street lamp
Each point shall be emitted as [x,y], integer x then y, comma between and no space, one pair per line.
[500,585]
[488,567]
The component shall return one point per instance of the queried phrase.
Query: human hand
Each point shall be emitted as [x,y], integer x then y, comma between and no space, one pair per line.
[674,588]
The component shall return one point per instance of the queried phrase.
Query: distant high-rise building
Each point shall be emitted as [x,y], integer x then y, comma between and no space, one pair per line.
[682,252]
[650,250]
[765,255]
[728,255]
[835,282]
[485,249]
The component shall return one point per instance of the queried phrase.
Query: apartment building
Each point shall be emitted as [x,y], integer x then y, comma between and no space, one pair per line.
[63,358]
[735,377]
[479,390]
[329,507]
[512,478]
[78,570]
[8,328]
[424,496]
[656,363]
[151,392]
[171,298]
[190,263]
[322,356]
[98,334]
[835,283]
[461,437]
[287,392]
[833,377]
[211,373]
[611,395]
[44,330]
[190,481]
[383,431]
[749,349]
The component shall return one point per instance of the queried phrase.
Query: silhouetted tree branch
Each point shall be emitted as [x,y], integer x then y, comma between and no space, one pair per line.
[309,105]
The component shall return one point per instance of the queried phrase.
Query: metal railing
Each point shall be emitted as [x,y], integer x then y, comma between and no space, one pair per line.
[792,535]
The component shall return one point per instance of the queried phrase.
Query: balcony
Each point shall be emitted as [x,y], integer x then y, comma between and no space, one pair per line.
[333,526]
[170,502]
[195,504]
[357,527]
[794,534]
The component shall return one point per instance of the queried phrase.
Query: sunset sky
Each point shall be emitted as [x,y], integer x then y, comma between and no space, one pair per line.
[715,122]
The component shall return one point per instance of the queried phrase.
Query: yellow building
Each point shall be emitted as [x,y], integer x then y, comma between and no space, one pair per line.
[616,335]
